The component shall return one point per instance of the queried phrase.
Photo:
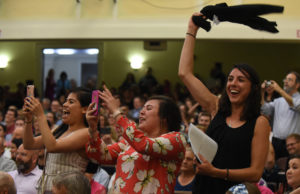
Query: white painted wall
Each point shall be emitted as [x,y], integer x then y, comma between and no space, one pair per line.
[130,19]
[71,64]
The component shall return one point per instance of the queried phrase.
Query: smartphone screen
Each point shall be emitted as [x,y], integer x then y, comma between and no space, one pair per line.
[30,90]
[95,99]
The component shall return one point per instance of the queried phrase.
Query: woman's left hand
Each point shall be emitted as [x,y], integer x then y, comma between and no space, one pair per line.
[33,105]
[204,167]
[110,102]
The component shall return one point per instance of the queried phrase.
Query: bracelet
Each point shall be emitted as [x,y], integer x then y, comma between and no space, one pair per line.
[116,113]
[28,122]
[190,34]
[227,174]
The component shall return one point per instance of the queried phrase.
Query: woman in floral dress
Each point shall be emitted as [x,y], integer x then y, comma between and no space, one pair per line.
[148,158]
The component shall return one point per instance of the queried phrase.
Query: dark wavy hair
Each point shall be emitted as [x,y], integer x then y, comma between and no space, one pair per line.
[252,103]
[169,111]
[84,96]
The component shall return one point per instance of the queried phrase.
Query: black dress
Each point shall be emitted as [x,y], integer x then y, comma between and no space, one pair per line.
[234,152]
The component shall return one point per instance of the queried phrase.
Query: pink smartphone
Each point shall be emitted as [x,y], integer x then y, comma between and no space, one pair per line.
[30,90]
[95,99]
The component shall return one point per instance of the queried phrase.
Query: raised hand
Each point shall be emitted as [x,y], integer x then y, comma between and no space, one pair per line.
[110,102]
[32,106]
[91,118]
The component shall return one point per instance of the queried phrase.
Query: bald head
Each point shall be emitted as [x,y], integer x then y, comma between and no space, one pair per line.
[26,160]
[7,184]
[18,132]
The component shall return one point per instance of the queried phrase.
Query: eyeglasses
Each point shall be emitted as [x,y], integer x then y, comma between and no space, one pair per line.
[291,144]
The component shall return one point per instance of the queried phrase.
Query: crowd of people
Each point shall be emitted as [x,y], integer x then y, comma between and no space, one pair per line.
[137,141]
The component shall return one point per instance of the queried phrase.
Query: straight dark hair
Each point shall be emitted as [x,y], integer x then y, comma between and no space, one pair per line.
[252,103]
[84,96]
[169,111]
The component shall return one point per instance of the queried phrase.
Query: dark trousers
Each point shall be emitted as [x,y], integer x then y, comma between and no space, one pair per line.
[279,148]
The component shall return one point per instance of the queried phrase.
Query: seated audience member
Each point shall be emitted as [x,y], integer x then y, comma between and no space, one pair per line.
[15,143]
[20,122]
[293,174]
[7,184]
[46,103]
[75,183]
[9,121]
[293,147]
[102,177]
[51,118]
[96,188]
[56,108]
[27,174]
[125,110]
[185,180]
[6,164]
[137,107]
[272,174]
[3,134]
[204,119]
[18,133]
[293,144]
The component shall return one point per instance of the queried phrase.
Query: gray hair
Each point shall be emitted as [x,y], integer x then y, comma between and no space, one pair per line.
[7,184]
[74,183]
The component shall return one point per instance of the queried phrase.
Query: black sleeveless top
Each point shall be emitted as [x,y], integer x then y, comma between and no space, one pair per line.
[234,152]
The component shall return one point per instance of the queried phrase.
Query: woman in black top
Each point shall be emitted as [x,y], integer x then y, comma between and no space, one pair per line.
[241,133]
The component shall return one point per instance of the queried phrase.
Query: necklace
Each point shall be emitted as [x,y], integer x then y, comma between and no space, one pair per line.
[229,123]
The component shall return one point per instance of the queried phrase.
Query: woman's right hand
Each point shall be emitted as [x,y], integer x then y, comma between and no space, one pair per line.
[109,101]
[192,27]
[91,118]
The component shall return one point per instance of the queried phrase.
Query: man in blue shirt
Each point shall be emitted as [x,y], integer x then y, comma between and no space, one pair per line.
[284,110]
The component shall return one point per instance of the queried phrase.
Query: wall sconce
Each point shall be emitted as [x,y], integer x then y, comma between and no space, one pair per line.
[136,62]
[3,61]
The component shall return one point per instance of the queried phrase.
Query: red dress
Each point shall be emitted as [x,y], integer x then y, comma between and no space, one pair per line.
[143,164]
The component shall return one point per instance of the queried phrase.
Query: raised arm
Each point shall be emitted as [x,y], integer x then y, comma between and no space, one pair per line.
[29,141]
[288,98]
[73,142]
[169,146]
[96,149]
[186,67]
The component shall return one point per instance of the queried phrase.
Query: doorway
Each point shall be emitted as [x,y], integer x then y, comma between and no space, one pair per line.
[80,66]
